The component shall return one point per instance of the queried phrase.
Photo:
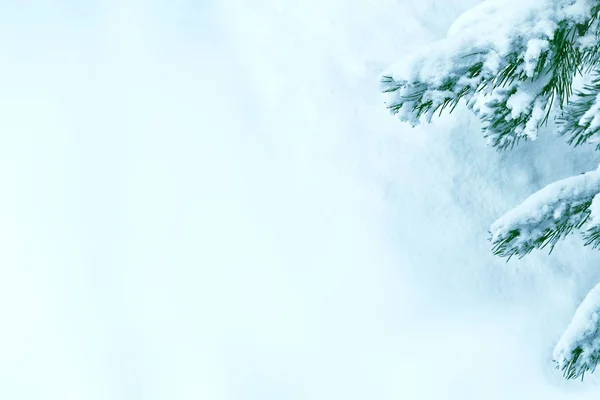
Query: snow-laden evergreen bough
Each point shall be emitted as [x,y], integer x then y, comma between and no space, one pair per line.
[513,64]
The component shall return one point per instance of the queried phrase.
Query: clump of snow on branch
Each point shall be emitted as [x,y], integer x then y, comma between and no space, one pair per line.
[546,216]
[578,350]
[591,118]
[576,10]
[595,210]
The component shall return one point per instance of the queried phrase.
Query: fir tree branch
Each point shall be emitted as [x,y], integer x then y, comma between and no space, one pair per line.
[580,119]
[546,217]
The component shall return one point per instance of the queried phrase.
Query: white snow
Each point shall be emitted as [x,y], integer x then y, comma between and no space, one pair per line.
[535,48]
[579,10]
[520,102]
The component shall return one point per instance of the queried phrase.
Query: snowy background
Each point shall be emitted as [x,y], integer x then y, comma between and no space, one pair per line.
[208,200]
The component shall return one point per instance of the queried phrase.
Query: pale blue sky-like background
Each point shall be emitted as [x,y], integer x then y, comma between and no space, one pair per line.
[208,200]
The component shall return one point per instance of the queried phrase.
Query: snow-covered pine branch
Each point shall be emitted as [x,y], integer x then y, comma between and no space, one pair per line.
[510,62]
[546,216]
[578,350]
[580,119]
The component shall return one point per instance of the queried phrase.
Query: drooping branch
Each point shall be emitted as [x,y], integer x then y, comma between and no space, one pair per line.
[546,216]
